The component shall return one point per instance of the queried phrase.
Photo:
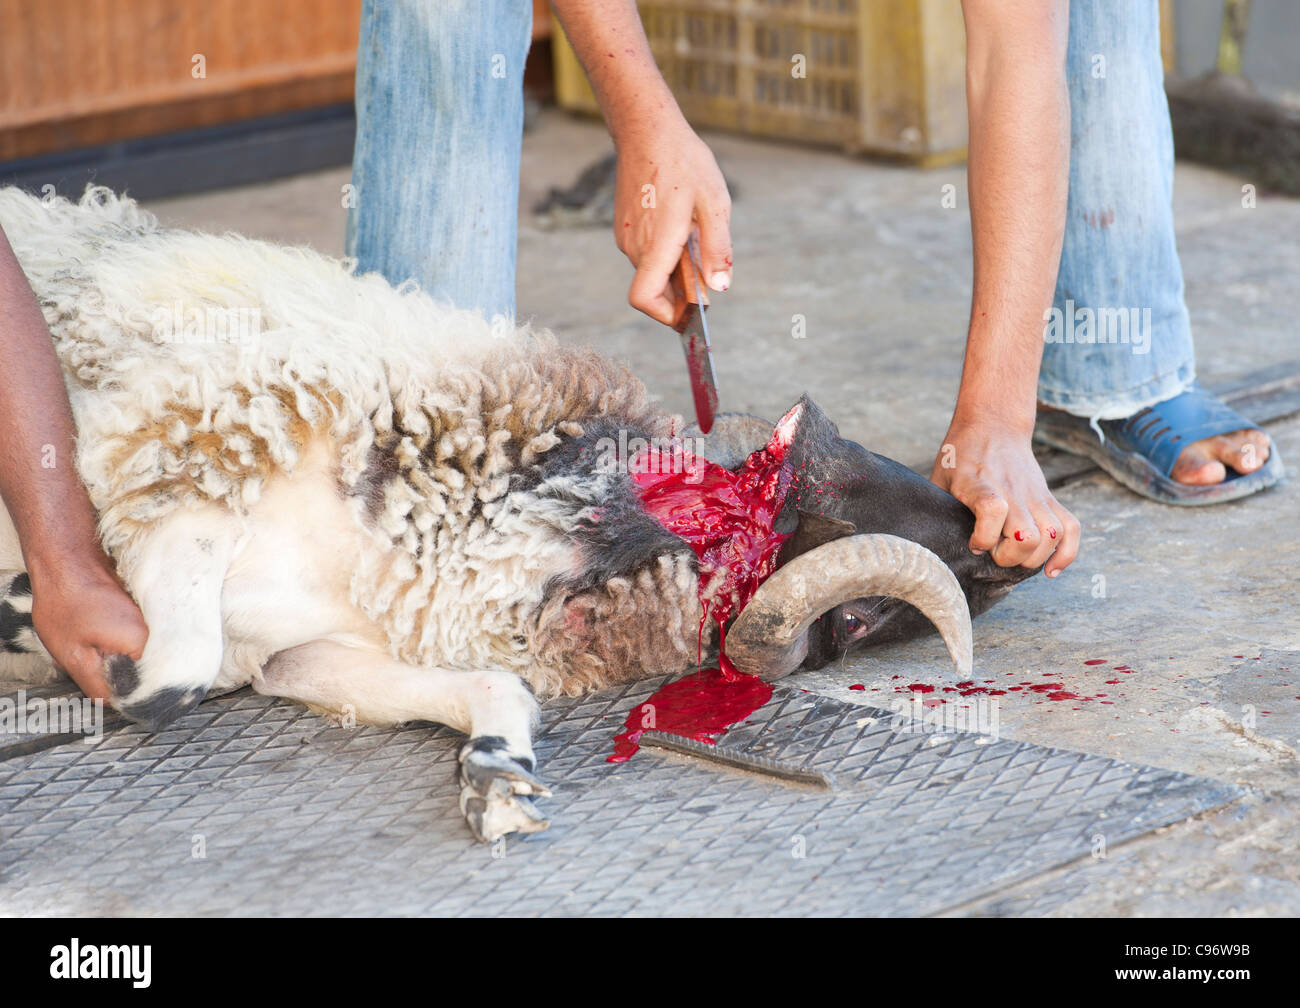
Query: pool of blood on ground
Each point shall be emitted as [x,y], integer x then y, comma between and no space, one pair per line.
[727,519]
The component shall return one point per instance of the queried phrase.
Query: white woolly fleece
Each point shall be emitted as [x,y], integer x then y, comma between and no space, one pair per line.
[448,563]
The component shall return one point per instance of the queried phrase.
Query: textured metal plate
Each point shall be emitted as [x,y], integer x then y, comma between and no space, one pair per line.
[294,816]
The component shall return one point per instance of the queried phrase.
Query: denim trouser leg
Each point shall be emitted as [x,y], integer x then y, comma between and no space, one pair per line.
[1119,251]
[440,114]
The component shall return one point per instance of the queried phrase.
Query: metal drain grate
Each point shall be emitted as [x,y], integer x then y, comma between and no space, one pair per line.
[294,816]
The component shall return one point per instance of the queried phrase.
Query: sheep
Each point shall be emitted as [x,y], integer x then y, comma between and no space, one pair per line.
[346,494]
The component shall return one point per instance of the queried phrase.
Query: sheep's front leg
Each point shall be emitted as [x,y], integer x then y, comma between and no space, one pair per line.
[176,575]
[495,709]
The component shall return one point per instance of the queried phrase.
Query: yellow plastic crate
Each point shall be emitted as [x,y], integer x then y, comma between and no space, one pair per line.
[880,76]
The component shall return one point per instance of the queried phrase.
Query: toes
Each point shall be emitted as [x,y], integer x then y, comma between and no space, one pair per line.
[1206,462]
[1244,451]
[1197,466]
[1199,471]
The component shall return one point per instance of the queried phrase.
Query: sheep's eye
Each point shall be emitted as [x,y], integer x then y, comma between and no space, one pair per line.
[851,622]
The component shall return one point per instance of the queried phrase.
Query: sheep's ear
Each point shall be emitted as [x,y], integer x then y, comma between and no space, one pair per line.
[813,530]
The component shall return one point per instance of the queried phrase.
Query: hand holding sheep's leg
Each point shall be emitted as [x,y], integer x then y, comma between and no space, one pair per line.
[495,709]
[73,600]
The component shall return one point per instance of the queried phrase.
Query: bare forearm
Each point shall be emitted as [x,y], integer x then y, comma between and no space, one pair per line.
[79,609]
[1019,175]
[668,181]
[610,43]
[38,480]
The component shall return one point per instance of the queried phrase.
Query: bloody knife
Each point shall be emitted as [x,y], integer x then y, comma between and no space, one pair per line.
[692,300]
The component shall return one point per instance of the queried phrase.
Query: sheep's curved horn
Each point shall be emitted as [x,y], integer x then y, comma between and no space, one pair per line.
[770,636]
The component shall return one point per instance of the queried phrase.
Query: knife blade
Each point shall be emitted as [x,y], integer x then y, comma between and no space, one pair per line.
[780,769]
[692,300]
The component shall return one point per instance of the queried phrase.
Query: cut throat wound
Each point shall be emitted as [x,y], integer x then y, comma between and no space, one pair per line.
[727,518]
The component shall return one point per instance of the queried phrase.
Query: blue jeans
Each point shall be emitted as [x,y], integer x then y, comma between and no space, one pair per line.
[1119,337]
[435,172]
[436,177]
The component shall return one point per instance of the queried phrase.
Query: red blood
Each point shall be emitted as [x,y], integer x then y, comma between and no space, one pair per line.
[857,686]
[1112,682]
[921,688]
[727,519]
[701,706]
[1095,661]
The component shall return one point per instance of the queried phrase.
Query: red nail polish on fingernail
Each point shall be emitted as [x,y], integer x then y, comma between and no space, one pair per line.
[1052,532]
[1020,536]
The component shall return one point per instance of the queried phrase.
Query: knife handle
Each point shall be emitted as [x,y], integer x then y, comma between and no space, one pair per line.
[688,286]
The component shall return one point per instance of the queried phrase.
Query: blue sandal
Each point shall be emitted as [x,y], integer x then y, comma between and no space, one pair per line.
[1140,452]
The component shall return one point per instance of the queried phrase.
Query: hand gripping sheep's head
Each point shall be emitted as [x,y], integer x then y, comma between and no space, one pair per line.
[876,553]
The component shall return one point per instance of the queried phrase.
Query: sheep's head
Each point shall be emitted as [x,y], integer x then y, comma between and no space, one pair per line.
[875,553]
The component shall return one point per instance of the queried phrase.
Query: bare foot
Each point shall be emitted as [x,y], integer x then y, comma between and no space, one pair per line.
[1207,461]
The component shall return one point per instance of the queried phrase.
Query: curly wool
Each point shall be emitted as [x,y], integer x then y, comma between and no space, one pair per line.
[429,416]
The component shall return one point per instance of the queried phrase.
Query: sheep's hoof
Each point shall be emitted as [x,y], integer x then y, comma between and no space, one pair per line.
[156,710]
[496,790]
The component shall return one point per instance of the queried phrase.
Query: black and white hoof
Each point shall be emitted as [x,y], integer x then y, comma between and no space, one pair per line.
[154,709]
[496,790]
